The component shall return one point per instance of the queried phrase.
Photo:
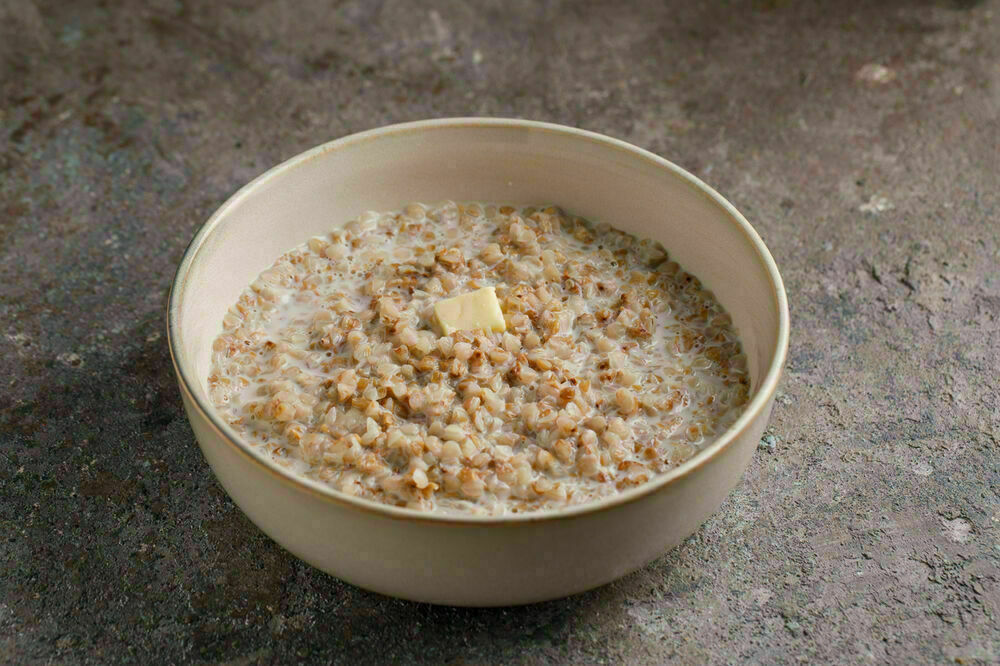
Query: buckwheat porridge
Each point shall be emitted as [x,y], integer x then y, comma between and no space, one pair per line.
[478,359]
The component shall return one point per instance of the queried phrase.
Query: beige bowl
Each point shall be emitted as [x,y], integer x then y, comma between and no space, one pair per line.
[477,561]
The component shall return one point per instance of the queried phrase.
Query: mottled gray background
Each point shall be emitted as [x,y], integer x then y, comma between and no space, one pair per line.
[861,138]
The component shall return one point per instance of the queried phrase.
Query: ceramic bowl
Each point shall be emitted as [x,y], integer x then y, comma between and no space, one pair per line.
[477,561]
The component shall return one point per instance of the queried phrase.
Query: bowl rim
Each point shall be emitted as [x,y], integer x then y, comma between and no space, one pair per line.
[757,404]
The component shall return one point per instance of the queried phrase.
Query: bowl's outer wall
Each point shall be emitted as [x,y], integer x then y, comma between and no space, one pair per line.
[445,563]
[461,565]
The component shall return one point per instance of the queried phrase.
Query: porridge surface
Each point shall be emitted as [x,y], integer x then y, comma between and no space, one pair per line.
[615,364]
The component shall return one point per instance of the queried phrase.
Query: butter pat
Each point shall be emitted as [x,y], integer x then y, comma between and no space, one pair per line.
[476,310]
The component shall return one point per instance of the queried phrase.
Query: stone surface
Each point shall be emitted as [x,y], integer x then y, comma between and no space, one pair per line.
[863,141]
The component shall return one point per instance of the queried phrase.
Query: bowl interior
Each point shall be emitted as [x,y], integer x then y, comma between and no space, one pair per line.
[514,162]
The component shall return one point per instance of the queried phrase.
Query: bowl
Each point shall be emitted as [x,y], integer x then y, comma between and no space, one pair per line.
[477,560]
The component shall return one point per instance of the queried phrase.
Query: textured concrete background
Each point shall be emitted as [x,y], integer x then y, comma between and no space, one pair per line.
[861,138]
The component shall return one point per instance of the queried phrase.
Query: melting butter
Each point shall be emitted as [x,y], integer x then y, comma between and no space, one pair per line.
[475,310]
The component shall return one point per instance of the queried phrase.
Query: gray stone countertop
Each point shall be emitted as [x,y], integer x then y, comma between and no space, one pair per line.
[862,139]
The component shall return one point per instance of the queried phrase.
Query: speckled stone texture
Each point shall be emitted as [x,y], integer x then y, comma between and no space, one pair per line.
[861,138]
